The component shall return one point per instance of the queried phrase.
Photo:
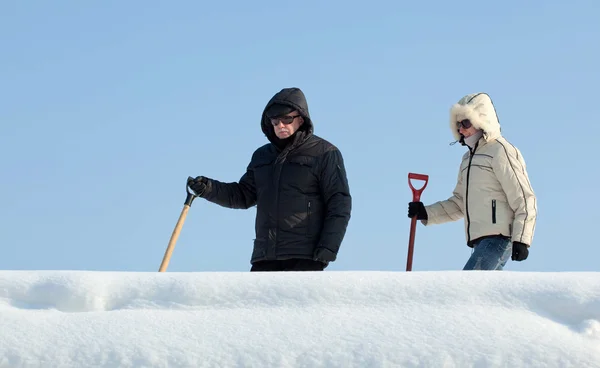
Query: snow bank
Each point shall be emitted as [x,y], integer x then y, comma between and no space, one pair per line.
[329,319]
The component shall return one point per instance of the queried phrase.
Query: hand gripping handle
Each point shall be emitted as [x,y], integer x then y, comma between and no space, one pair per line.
[190,193]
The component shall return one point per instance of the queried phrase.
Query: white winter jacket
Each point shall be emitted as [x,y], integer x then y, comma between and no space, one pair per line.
[493,193]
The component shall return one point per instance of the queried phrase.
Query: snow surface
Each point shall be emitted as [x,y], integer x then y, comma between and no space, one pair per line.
[313,319]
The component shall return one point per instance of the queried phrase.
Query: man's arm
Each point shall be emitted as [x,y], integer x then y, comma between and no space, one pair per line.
[338,201]
[236,195]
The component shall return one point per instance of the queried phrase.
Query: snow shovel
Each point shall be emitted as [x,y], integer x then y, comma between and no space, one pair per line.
[413,222]
[188,203]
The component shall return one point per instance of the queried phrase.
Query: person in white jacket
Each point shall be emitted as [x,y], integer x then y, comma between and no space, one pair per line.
[493,193]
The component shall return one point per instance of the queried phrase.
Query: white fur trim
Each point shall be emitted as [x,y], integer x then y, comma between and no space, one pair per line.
[479,109]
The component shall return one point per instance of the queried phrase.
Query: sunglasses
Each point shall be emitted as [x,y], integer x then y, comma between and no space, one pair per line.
[286,120]
[464,123]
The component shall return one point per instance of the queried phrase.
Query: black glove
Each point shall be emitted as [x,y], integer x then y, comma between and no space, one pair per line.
[417,209]
[519,251]
[324,255]
[199,185]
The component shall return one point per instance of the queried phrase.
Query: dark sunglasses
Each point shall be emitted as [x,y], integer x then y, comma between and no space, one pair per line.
[464,123]
[287,120]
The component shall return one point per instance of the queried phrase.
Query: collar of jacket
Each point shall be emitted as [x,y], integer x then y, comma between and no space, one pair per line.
[292,142]
[473,139]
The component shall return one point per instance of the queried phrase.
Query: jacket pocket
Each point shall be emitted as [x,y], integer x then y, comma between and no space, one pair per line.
[308,213]
[493,211]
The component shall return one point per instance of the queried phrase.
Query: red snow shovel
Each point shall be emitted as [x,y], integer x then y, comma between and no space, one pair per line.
[178,226]
[413,222]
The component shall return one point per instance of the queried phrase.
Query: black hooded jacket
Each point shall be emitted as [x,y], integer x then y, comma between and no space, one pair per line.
[300,190]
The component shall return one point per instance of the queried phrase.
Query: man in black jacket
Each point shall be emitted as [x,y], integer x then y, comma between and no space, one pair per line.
[298,183]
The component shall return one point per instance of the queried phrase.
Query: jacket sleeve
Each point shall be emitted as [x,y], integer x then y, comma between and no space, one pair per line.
[447,210]
[510,169]
[338,201]
[236,195]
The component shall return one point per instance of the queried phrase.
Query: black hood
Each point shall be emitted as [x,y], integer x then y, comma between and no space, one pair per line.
[294,98]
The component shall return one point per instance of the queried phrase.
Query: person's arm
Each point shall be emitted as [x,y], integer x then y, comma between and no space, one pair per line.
[338,203]
[447,210]
[511,172]
[236,195]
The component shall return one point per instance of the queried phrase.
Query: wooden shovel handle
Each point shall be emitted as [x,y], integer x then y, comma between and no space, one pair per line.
[167,257]
[186,207]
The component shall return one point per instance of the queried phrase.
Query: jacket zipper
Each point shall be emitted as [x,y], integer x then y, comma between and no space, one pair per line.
[279,161]
[493,211]
[278,168]
[467,194]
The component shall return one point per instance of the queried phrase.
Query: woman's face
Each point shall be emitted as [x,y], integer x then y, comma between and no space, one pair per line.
[466,128]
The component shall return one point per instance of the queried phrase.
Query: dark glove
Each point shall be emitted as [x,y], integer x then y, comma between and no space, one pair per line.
[519,251]
[417,209]
[324,255]
[199,185]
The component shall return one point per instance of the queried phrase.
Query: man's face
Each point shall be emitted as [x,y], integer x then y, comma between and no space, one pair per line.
[286,125]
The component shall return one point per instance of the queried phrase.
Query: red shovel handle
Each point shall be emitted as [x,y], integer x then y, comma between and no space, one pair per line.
[417,192]
[413,222]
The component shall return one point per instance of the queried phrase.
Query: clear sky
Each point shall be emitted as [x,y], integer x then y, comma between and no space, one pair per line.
[106,108]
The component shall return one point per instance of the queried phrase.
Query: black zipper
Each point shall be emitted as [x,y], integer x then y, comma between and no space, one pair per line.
[467,194]
[493,211]
[279,161]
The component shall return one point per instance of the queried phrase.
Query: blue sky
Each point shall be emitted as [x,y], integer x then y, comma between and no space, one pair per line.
[106,108]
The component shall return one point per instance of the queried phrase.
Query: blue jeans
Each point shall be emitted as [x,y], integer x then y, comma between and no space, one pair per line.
[490,254]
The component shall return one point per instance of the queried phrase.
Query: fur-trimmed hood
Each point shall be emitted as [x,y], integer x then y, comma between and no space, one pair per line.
[480,110]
